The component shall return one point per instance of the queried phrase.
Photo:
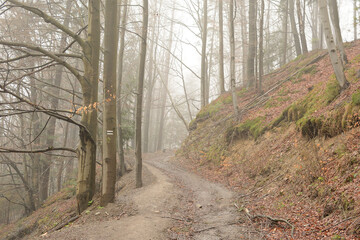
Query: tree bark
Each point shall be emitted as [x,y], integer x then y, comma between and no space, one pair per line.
[232,58]
[221,48]
[203,54]
[355,19]
[334,13]
[165,86]
[119,87]
[109,114]
[252,44]
[87,149]
[301,27]
[335,59]
[294,28]
[138,164]
[261,44]
[285,14]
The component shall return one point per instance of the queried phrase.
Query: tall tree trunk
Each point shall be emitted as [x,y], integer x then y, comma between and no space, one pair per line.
[61,168]
[335,59]
[285,14]
[109,114]
[335,22]
[87,149]
[35,164]
[203,54]
[294,28]
[119,87]
[138,164]
[261,44]
[165,86]
[221,48]
[210,62]
[301,20]
[355,19]
[315,25]
[252,44]
[244,42]
[150,88]
[46,163]
[232,58]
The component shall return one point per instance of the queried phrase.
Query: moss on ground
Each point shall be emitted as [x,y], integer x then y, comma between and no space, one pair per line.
[250,128]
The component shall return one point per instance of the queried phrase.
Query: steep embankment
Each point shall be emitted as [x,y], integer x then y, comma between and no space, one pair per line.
[295,152]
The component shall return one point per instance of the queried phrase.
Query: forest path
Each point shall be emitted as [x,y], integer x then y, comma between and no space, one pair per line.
[173,204]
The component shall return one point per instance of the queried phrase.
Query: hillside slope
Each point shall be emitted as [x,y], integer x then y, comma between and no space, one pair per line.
[295,152]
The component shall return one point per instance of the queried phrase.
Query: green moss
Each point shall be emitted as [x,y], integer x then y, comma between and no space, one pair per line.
[351,74]
[356,98]
[332,89]
[356,59]
[250,128]
[193,125]
[210,110]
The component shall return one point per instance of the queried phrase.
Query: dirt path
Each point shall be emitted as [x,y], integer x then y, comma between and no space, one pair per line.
[173,204]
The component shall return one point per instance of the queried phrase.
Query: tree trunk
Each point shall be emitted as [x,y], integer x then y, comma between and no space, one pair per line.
[87,149]
[221,48]
[261,44]
[119,87]
[335,22]
[301,27]
[285,14]
[232,58]
[335,59]
[109,114]
[152,80]
[203,54]
[294,28]
[244,42]
[252,44]
[315,25]
[138,164]
[355,19]
[165,86]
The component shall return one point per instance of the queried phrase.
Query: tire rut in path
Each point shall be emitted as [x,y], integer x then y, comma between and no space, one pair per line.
[216,217]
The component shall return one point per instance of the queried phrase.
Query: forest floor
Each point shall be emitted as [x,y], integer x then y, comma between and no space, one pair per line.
[172,204]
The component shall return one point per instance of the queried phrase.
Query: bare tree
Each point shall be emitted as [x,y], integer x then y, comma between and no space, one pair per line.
[335,59]
[138,164]
[203,54]
[221,48]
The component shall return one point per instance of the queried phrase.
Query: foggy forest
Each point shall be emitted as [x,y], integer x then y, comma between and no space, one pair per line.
[188,119]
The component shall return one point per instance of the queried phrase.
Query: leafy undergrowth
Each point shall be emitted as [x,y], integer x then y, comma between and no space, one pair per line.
[295,153]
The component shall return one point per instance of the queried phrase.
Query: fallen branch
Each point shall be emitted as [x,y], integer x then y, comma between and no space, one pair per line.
[272,219]
[64,224]
[276,220]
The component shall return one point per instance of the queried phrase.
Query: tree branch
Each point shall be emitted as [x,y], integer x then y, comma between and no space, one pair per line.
[49,149]
[46,53]
[51,20]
